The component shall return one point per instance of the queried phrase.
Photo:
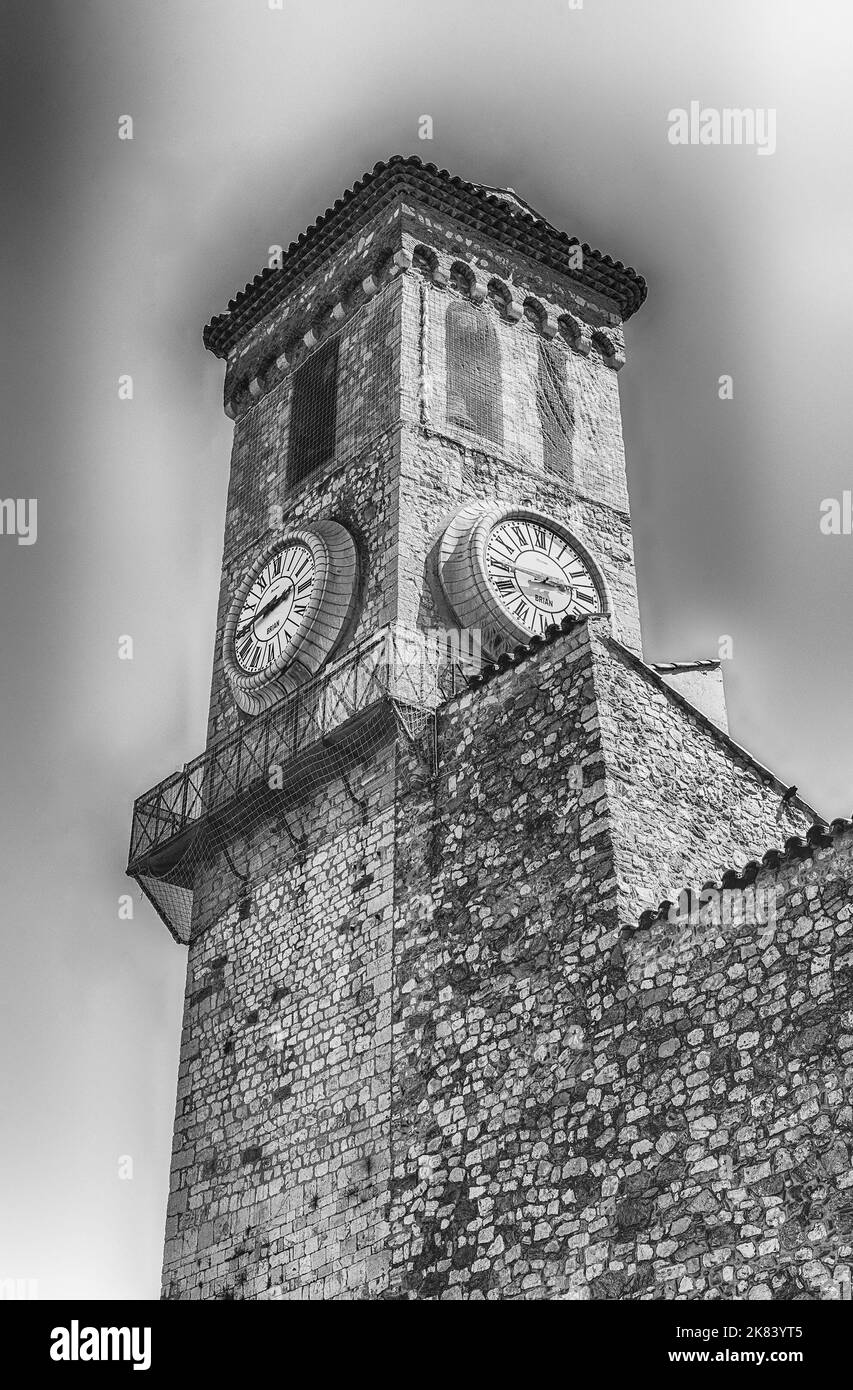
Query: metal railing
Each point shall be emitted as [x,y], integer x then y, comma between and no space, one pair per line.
[398,664]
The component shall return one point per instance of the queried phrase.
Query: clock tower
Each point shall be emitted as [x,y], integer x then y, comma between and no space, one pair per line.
[439,783]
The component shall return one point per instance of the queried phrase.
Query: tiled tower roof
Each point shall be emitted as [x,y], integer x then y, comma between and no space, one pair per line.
[497,213]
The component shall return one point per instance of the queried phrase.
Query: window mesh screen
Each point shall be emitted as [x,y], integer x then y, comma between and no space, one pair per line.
[473,372]
[313,413]
[556,412]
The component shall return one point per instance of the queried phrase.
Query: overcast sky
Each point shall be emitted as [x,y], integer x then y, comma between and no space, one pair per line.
[248,122]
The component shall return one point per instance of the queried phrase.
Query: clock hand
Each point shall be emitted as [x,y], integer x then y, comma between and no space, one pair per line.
[267,608]
[544,579]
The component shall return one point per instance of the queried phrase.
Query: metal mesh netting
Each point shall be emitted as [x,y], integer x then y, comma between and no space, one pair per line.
[474,399]
[388,688]
[554,404]
[313,413]
[474,386]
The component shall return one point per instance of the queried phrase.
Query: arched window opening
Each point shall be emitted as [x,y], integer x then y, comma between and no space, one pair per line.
[534,313]
[424,260]
[461,277]
[499,295]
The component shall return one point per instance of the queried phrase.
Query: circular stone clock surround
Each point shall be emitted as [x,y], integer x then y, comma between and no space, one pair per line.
[471,555]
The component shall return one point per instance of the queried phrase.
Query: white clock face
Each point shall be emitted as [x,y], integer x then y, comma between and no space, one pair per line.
[289,613]
[537,575]
[274,608]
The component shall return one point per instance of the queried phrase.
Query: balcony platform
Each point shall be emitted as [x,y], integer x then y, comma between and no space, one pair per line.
[398,678]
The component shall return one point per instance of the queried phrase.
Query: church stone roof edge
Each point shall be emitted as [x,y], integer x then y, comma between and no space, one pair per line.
[818,836]
[667,666]
[556,630]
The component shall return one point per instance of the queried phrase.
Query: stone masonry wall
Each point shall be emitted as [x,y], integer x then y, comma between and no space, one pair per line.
[490,985]
[685,802]
[555,1115]
[734,1071]
[282,1140]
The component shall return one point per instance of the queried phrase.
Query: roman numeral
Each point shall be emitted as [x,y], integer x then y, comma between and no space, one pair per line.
[502,539]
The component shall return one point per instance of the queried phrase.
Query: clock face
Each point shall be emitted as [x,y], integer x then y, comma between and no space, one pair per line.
[512,573]
[274,608]
[289,613]
[537,575]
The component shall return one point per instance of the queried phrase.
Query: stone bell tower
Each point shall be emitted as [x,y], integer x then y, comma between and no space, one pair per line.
[403,867]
